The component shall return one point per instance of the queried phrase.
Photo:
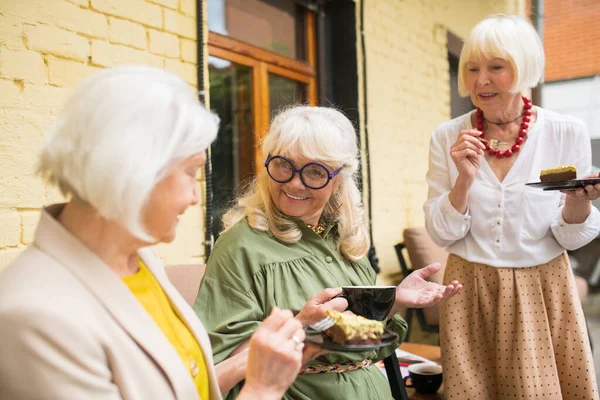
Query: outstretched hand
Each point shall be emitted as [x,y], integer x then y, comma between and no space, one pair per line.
[416,292]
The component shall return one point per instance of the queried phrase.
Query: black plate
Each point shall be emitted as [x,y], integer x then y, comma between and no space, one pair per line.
[564,185]
[314,337]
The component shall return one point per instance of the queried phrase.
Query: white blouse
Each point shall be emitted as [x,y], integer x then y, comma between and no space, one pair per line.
[508,224]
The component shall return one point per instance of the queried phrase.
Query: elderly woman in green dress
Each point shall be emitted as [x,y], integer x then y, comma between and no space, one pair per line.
[292,240]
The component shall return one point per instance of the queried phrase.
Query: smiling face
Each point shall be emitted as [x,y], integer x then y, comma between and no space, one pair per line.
[296,200]
[171,197]
[489,83]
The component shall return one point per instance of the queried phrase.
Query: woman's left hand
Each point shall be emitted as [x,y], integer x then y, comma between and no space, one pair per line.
[587,193]
[416,292]
[578,202]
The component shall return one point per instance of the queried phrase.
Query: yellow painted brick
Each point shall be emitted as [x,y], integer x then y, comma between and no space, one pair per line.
[10,228]
[61,13]
[20,124]
[11,95]
[73,18]
[167,3]
[189,52]
[135,10]
[17,189]
[8,255]
[190,233]
[53,195]
[107,55]
[126,32]
[50,39]
[163,44]
[45,99]
[188,7]
[85,3]
[188,72]
[68,74]
[11,30]
[180,24]
[23,64]
[29,221]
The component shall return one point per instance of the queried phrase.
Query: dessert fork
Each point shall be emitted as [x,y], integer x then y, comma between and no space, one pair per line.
[322,325]
[495,144]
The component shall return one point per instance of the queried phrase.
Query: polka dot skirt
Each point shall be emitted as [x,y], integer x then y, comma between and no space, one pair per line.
[515,333]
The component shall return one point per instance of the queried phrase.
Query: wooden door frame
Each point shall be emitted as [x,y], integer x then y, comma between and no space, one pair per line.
[264,62]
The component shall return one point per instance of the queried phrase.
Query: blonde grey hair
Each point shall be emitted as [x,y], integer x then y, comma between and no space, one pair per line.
[118,136]
[321,134]
[508,37]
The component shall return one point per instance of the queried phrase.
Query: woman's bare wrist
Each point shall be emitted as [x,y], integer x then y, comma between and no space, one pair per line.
[252,392]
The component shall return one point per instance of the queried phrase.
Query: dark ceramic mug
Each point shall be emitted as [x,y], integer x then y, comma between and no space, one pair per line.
[372,302]
[424,378]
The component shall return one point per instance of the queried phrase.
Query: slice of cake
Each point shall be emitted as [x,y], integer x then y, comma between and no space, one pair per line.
[353,329]
[562,173]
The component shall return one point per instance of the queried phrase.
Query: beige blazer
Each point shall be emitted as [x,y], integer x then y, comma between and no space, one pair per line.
[71,329]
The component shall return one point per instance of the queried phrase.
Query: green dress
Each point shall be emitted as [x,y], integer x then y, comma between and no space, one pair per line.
[250,271]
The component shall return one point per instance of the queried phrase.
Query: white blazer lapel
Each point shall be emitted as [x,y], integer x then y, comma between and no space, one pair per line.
[52,238]
[188,315]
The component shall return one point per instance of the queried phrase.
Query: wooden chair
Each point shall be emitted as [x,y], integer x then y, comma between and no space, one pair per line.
[186,278]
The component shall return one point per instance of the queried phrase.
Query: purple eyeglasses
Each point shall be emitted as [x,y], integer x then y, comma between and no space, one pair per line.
[313,175]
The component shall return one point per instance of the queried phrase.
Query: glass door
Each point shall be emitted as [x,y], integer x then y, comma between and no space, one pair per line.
[262,57]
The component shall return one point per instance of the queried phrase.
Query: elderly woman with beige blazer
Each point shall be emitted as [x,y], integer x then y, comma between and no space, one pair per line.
[87,311]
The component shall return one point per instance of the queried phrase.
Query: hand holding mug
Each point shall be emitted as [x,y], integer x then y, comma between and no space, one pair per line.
[315,307]
[371,302]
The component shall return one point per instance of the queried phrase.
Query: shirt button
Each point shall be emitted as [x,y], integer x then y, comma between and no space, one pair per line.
[499,205]
[497,240]
[498,223]
[194,367]
[328,259]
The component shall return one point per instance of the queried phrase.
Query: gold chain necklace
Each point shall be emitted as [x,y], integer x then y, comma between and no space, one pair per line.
[319,229]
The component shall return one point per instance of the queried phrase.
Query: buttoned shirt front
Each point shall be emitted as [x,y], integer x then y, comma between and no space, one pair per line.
[509,224]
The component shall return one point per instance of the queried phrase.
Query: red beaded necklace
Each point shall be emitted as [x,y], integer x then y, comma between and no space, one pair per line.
[518,141]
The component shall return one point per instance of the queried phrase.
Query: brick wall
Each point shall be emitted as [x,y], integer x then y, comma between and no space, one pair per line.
[571,38]
[408,96]
[46,48]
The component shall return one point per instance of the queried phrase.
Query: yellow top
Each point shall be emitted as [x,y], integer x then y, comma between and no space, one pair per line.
[150,294]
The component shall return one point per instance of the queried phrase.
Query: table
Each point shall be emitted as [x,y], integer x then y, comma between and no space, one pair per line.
[432,353]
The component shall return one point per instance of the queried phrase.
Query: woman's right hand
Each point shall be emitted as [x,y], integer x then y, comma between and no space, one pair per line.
[275,356]
[466,153]
[315,307]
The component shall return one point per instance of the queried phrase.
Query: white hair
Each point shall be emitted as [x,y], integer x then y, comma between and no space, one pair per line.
[118,136]
[321,134]
[508,37]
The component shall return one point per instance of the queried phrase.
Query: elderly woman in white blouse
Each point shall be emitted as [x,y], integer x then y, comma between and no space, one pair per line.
[517,329]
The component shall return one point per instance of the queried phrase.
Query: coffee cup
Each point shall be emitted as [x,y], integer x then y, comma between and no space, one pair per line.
[372,302]
[424,378]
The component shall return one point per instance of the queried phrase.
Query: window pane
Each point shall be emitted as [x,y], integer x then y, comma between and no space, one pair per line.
[284,92]
[232,152]
[275,25]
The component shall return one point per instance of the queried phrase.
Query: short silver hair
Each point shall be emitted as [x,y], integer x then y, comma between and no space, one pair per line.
[511,38]
[118,136]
